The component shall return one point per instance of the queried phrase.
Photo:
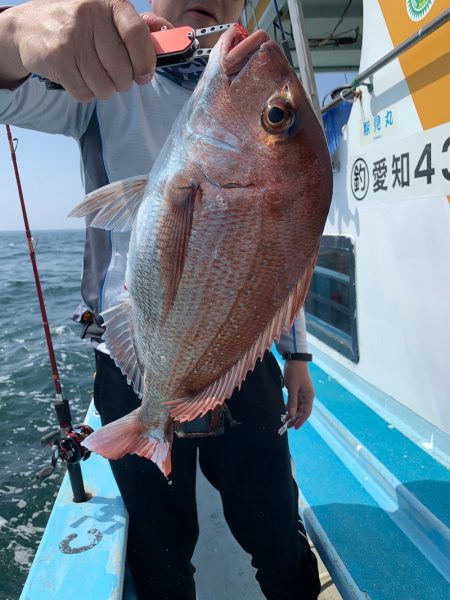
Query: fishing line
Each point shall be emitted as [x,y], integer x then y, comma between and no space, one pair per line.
[71,356]
[31,250]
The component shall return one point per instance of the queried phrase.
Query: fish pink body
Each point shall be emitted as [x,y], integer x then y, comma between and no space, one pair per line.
[225,234]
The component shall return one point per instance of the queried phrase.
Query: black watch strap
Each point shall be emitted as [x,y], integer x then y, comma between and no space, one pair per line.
[303,356]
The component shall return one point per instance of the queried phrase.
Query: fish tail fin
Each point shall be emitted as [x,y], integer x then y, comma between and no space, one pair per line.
[129,435]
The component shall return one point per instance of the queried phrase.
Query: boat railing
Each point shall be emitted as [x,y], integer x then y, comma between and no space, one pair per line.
[348,95]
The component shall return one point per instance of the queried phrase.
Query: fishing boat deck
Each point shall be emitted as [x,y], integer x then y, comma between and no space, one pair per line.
[368,519]
[79,537]
[223,568]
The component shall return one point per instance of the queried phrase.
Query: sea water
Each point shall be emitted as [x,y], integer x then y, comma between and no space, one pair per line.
[26,386]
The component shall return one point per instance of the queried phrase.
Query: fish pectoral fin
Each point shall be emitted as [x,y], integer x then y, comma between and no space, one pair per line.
[119,341]
[175,232]
[116,204]
[191,407]
[129,435]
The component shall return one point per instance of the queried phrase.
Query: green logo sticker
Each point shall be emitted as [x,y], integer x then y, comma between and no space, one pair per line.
[417,9]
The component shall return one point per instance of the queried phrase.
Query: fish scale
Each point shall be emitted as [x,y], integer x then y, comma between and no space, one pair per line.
[225,236]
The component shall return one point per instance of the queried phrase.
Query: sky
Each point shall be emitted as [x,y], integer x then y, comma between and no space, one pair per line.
[49,168]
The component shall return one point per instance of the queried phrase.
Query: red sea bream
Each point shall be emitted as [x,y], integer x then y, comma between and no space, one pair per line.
[225,234]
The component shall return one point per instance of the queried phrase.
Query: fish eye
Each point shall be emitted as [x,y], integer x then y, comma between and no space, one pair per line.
[277,116]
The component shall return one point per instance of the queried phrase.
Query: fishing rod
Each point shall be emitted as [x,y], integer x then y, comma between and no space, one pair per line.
[66,442]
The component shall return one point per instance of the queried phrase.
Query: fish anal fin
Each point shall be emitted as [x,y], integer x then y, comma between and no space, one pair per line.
[115,205]
[195,405]
[175,233]
[129,435]
[118,337]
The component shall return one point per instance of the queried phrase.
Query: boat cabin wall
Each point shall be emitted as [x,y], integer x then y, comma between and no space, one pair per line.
[391,211]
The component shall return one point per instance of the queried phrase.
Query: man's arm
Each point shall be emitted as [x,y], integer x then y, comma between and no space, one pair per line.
[12,71]
[296,374]
[93,48]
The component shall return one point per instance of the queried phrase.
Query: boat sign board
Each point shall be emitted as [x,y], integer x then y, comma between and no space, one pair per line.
[381,125]
[412,167]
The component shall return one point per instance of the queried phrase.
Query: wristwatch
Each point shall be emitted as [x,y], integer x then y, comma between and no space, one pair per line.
[303,356]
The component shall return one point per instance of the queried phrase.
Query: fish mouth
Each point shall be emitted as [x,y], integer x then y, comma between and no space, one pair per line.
[238,48]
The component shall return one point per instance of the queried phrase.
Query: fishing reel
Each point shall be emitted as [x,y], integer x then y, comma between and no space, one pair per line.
[66,447]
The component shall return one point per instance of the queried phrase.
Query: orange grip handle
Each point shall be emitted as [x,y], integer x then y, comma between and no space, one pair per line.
[169,41]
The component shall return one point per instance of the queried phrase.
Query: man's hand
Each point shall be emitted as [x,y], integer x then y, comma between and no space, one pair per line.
[300,392]
[93,48]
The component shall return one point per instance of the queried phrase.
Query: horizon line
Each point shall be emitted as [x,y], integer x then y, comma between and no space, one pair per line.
[40,229]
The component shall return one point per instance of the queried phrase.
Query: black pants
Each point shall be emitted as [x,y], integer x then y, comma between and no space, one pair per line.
[248,464]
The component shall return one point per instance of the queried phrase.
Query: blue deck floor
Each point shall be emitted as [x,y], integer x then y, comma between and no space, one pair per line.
[375,504]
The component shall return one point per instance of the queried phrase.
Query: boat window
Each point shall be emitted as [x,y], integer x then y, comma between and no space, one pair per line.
[330,306]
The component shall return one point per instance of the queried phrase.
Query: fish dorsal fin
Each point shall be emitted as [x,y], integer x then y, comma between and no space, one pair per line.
[175,234]
[119,341]
[116,204]
[191,407]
